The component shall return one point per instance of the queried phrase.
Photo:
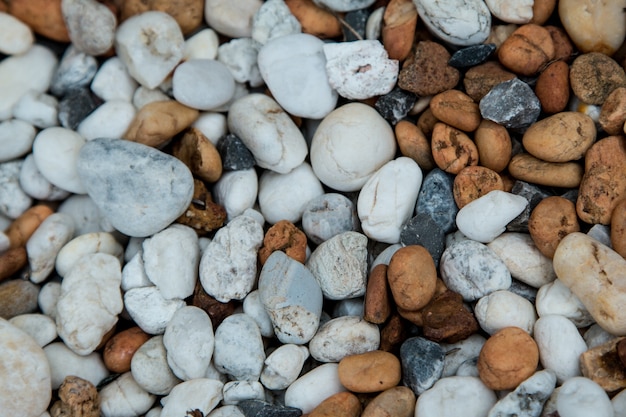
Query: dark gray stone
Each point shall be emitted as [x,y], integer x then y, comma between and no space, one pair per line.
[523,290]
[258,408]
[472,55]
[356,21]
[422,363]
[75,106]
[234,153]
[533,195]
[395,105]
[436,199]
[423,230]
[512,104]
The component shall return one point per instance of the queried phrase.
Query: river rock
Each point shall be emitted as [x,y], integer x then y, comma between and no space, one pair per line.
[113,82]
[203,84]
[231,19]
[469,28]
[370,372]
[124,396]
[512,104]
[64,362]
[437,200]
[111,120]
[556,298]
[236,191]
[273,19]
[427,72]
[528,398]
[239,348]
[201,394]
[328,215]
[37,108]
[283,366]
[594,75]
[40,327]
[16,139]
[580,396]
[91,25]
[397,401]
[150,370]
[502,309]
[412,277]
[451,395]
[147,307]
[44,245]
[344,336]
[314,387]
[422,363]
[16,37]
[87,243]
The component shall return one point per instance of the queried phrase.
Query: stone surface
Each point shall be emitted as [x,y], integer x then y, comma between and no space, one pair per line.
[412,277]
[452,149]
[551,220]
[454,395]
[150,370]
[203,84]
[552,87]
[473,182]
[18,297]
[286,237]
[580,396]
[527,50]
[412,142]
[119,349]
[16,139]
[398,21]
[16,37]
[525,167]
[396,105]
[112,119]
[446,319]
[397,401]
[147,307]
[512,104]
[328,215]
[471,56]
[157,122]
[502,309]
[556,298]
[41,110]
[594,75]
[201,394]
[427,72]
[479,80]
[461,29]
[436,199]
[237,191]
[369,372]
[313,387]
[528,398]
[124,396]
[314,19]
[90,25]
[422,363]
[75,106]
[283,366]
[113,82]
[231,19]
[257,408]
[46,242]
[239,348]
[604,366]
[76,70]
[343,336]
[63,362]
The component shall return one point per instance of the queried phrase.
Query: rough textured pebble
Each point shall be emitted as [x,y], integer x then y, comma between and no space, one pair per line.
[239,348]
[46,242]
[272,20]
[150,369]
[512,104]
[40,327]
[283,366]
[84,244]
[437,200]
[423,230]
[91,25]
[472,55]
[16,139]
[75,106]
[76,69]
[460,22]
[422,363]
[329,215]
[256,408]
[344,336]
[395,105]
[528,398]
[147,307]
[502,309]
[234,153]
[113,82]
[124,396]
[201,394]
[236,191]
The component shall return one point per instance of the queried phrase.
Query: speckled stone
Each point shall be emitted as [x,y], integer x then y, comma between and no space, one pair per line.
[357,20]
[422,363]
[329,215]
[437,199]
[234,153]
[512,104]
[472,55]
[423,230]
[258,408]
[533,195]
[75,106]
[395,105]
[427,72]
[593,76]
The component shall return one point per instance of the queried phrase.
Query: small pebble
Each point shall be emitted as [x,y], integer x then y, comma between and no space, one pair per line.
[437,200]
[395,106]
[234,153]
[44,245]
[253,307]
[76,69]
[594,75]
[443,399]
[527,50]
[427,72]
[147,307]
[313,387]
[40,327]
[64,362]
[110,120]
[113,82]
[203,84]
[124,396]
[231,19]
[423,230]
[38,109]
[468,28]
[528,398]
[239,348]
[502,309]
[15,37]
[91,25]
[16,139]
[257,408]
[201,45]
[342,404]
[344,336]
[397,401]
[119,349]
[412,291]
[201,394]
[84,244]
[150,370]
[460,352]
[422,363]
[283,366]
[75,106]
[512,104]
[236,391]
[236,191]
[471,55]
[328,215]
[240,57]
[369,372]
[560,346]
[86,215]
[580,396]
[556,298]
[13,200]
[272,20]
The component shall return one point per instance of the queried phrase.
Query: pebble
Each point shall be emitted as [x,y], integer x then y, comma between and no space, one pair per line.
[267,131]
[156,123]
[339,265]
[124,396]
[512,104]
[110,120]
[473,270]
[580,396]
[238,348]
[233,410]
[40,327]
[396,23]
[613,112]
[16,139]
[212,125]
[284,61]
[47,298]
[342,404]
[472,55]
[84,244]
[283,366]
[527,50]
[397,401]
[16,37]
[460,352]
[343,336]
[119,349]
[504,309]
[40,110]
[150,370]
[201,394]
[395,106]
[456,394]
[422,363]
[552,87]
[135,186]
[64,362]
[150,45]
[460,29]
[560,346]
[525,167]
[373,371]
[482,78]
[485,218]
[528,398]
[113,82]
[437,200]
[608,373]
[272,20]
[86,215]
[257,408]
[412,291]
[556,298]
[236,191]
[90,25]
[202,45]
[240,57]
[228,265]
[534,195]
[594,75]
[76,69]
[236,391]
[24,362]
[552,219]
[313,387]
[234,153]
[203,84]
[423,230]
[427,72]
[328,215]
[231,19]
[147,307]
[253,307]
[13,200]
[75,106]
[46,242]
[361,130]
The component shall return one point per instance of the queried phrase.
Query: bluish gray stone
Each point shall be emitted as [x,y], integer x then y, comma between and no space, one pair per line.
[395,105]
[436,198]
[423,230]
[234,153]
[329,215]
[528,398]
[357,20]
[75,106]
[139,189]
[472,55]
[534,195]
[422,363]
[512,104]
[75,70]
[257,408]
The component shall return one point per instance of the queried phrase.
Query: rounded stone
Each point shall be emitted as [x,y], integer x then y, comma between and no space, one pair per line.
[91,25]
[456,109]
[342,404]
[580,396]
[450,397]
[550,221]
[203,84]
[119,350]
[412,277]
[396,401]
[17,297]
[468,28]
[594,75]
[527,49]
[344,336]
[329,215]
[313,387]
[370,372]
[452,149]
[552,87]
[502,309]
[526,167]
[473,182]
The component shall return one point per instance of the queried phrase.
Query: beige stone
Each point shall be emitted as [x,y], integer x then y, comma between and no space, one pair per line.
[603,366]
[474,182]
[159,121]
[399,22]
[119,349]
[342,404]
[456,109]
[369,372]
[313,19]
[527,50]
[618,228]
[199,154]
[394,402]
[412,277]
[552,87]
[613,112]
[413,143]
[494,145]
[452,149]
[550,221]
[527,168]
[189,14]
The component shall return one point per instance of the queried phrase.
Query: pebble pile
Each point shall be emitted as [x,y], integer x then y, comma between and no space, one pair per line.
[346,208]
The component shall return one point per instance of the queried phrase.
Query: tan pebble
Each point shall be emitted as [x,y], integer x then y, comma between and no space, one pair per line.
[507,358]
[527,50]
[203,215]
[43,16]
[445,319]
[414,316]
[22,228]
[426,122]
[456,109]
[542,10]
[500,33]
[563,47]
[284,236]
[313,19]
[369,372]
[562,137]
[473,182]
[479,80]
[603,366]
[526,167]
[508,181]
[199,154]
[494,145]
[159,121]
[452,149]
[12,261]
[593,76]
[427,72]
[618,228]
[604,183]
[189,14]
[399,22]
[552,87]
[78,398]
[414,144]
[394,402]
[119,350]
[393,334]
[551,220]
[412,277]
[613,112]
[342,404]
[17,296]
[377,305]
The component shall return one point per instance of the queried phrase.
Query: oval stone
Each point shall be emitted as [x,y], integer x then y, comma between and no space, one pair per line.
[470,27]
[344,336]
[370,372]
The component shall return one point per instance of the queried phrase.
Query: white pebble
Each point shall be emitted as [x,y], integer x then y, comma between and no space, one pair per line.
[314,387]
[147,307]
[111,120]
[113,82]
[231,18]
[283,366]
[240,57]
[63,362]
[527,400]
[461,352]
[88,243]
[345,5]
[581,397]
[90,24]
[44,245]
[236,191]
[13,200]
[459,22]
[124,397]
[557,298]
[202,45]
[75,70]
[502,309]
[373,27]
[143,96]
[199,394]
[150,369]
[272,20]
[212,125]
[48,298]
[619,404]
[16,139]
[15,36]
[344,336]
[253,307]
[203,84]
[236,391]
[87,216]
[518,11]
[239,348]
[39,109]
[134,274]
[40,327]
[456,395]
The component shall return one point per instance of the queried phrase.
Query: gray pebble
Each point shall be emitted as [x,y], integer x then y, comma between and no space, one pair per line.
[75,106]
[512,104]
[528,398]
[76,69]
[13,200]
[436,198]
[329,215]
[423,230]
[238,348]
[422,363]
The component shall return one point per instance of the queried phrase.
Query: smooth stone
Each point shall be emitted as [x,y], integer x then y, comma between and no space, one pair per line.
[236,191]
[113,82]
[86,215]
[528,398]
[460,352]
[20,73]
[344,336]
[340,266]
[473,270]
[76,69]
[283,366]
[47,298]
[556,298]
[13,200]
[75,106]
[144,96]
[64,362]
[596,336]
[485,218]
[16,139]
[88,243]
[150,44]
[253,306]
[134,274]
[240,57]
[349,145]
[257,408]
[90,25]
[619,403]
[272,20]
[46,242]
[267,131]
[470,27]
[292,298]
[232,19]
[395,105]
[203,84]
[56,151]
[213,125]
[502,309]
[580,396]
[424,231]
[201,394]
[234,153]
[40,327]
[283,63]
[345,5]
[512,104]
[150,370]
[38,109]
[201,45]
[25,365]
[110,120]
[314,387]
[236,391]
[397,401]
[601,233]
[422,363]
[238,348]
[472,55]
[133,197]
[124,396]
[437,200]
[373,26]
[454,396]
[15,36]
[560,346]
[328,215]
[518,13]
[147,307]
[235,411]
[534,195]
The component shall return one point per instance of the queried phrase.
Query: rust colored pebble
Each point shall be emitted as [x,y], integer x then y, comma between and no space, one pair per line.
[550,221]
[426,122]
[199,154]
[414,144]
[474,182]
[216,310]
[479,80]
[12,261]
[369,372]
[286,237]
[542,10]
[377,306]
[25,225]
[621,351]
[452,149]
[613,112]
[494,145]
[342,404]
[427,72]
[618,228]
[445,319]
[526,167]
[399,22]
[527,50]
[552,87]
[313,19]
[456,109]
[44,17]
[563,46]
[119,350]
[393,334]
[394,402]
[507,358]
[189,14]
[203,215]
[412,277]
[77,398]
[159,121]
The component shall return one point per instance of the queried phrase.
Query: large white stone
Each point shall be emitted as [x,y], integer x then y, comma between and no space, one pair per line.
[150,369]
[283,366]
[231,18]
[95,242]
[459,22]
[344,336]
[502,309]
[203,84]
[581,397]
[556,298]
[15,37]
[198,394]
[239,348]
[455,396]
[314,387]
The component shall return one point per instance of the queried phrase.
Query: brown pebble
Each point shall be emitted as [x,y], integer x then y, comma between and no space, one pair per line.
[414,144]
[593,76]
[542,10]
[394,402]
[377,305]
[159,121]
[563,46]
[552,87]
[369,372]
[494,145]
[474,182]
[286,237]
[22,228]
[456,109]
[445,319]
[12,261]
[618,228]
[479,80]
[393,334]
[526,167]
[412,277]
[78,398]
[44,17]
[427,72]
[216,310]
[621,351]
[342,404]
[604,183]
[426,122]
[527,50]
[189,14]
[313,19]
[613,112]
[603,365]
[452,149]
[507,358]
[399,22]
[17,296]
[119,350]
[203,215]
[199,154]
[550,221]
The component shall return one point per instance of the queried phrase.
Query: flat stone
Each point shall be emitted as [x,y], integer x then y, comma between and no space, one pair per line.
[91,25]
[344,336]
[472,55]
[528,398]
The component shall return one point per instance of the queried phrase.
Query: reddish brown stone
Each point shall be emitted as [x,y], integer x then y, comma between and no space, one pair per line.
[216,310]
[12,261]
[377,297]
[393,334]
[286,237]
[479,80]
[447,320]
[427,72]
[203,215]
[604,365]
